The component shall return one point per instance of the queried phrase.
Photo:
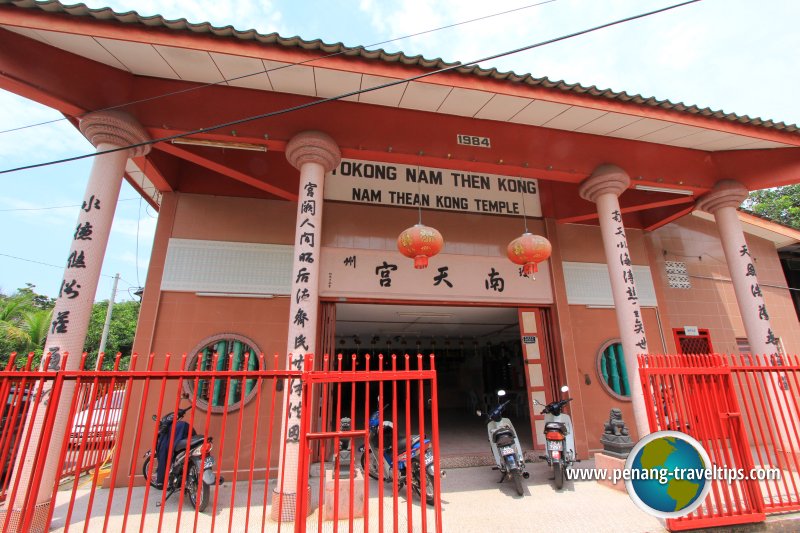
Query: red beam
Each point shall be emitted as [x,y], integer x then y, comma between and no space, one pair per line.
[629,209]
[759,169]
[64,81]
[147,197]
[667,220]
[153,173]
[225,170]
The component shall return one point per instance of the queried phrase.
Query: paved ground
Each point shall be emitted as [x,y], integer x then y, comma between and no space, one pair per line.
[472,501]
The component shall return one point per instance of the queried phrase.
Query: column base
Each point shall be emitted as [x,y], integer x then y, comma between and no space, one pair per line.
[284,506]
[38,523]
[609,464]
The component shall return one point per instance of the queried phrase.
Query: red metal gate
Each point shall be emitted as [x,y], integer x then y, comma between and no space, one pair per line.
[242,431]
[744,413]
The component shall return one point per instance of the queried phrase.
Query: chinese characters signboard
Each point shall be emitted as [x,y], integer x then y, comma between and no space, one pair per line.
[357,273]
[399,185]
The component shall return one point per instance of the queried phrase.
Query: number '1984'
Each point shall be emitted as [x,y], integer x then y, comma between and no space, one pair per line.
[473,140]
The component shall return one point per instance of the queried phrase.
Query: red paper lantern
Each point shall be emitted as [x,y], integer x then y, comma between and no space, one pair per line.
[420,242]
[528,250]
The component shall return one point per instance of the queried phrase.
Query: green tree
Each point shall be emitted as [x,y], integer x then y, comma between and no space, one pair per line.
[24,322]
[122,330]
[37,325]
[781,204]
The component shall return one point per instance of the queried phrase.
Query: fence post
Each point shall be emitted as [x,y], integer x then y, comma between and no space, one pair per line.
[302,487]
[30,506]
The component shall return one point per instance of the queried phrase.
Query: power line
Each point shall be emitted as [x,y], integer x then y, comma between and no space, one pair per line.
[136,258]
[43,263]
[351,93]
[58,206]
[59,266]
[266,71]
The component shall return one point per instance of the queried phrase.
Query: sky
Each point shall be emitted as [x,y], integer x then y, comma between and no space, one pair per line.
[731,55]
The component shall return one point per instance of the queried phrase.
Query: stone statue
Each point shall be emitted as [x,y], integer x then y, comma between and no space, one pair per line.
[615,425]
[616,438]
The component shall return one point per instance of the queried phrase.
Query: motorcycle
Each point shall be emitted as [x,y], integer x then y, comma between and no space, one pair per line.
[559,438]
[505,445]
[403,453]
[199,475]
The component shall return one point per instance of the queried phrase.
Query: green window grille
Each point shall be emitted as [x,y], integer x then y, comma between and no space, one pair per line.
[220,392]
[612,369]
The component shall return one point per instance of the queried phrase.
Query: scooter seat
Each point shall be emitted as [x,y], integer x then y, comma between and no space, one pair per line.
[181,444]
[401,443]
[555,426]
[504,437]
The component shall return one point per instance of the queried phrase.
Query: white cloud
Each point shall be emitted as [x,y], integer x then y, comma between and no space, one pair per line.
[127,227]
[241,14]
[31,212]
[55,140]
[127,257]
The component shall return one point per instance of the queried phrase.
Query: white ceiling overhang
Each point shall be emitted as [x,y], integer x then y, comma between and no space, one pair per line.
[158,60]
[781,236]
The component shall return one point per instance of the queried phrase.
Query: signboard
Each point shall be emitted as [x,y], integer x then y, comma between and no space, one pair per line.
[473,140]
[393,184]
[690,331]
[382,274]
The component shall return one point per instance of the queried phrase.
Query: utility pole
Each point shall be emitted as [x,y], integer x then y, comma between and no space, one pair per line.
[107,324]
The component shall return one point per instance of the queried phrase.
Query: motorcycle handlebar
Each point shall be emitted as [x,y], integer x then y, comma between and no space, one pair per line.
[561,403]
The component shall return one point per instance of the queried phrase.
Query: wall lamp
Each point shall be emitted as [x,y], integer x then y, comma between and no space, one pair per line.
[220,144]
[663,189]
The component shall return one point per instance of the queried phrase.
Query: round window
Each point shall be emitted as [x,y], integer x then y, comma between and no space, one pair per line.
[218,353]
[611,369]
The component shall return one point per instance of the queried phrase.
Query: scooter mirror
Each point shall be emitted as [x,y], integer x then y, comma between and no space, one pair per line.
[564,388]
[501,392]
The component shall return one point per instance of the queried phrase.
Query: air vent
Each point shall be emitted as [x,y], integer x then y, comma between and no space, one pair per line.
[677,276]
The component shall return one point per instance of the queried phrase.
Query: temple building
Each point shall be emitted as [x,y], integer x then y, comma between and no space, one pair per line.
[284,170]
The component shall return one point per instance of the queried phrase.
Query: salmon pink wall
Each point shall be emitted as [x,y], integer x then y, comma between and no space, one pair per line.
[711,302]
[597,326]
[359,226]
[176,322]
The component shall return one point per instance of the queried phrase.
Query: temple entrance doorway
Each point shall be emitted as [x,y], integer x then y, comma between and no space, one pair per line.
[478,351]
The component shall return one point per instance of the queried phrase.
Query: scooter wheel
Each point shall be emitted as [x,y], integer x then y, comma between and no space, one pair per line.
[517,475]
[429,495]
[373,465]
[558,472]
[198,490]
[150,478]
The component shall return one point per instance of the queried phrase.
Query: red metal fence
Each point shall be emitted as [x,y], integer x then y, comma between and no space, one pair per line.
[233,478]
[744,410]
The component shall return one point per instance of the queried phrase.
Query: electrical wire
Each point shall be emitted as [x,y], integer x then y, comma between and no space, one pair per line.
[58,206]
[266,71]
[43,263]
[351,93]
[138,220]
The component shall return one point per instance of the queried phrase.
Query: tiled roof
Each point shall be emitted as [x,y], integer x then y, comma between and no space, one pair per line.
[132,17]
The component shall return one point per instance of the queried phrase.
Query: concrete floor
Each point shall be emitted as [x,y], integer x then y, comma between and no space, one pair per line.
[472,501]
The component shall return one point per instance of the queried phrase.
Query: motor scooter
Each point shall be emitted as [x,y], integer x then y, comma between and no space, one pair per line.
[199,472]
[402,457]
[505,445]
[559,438]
